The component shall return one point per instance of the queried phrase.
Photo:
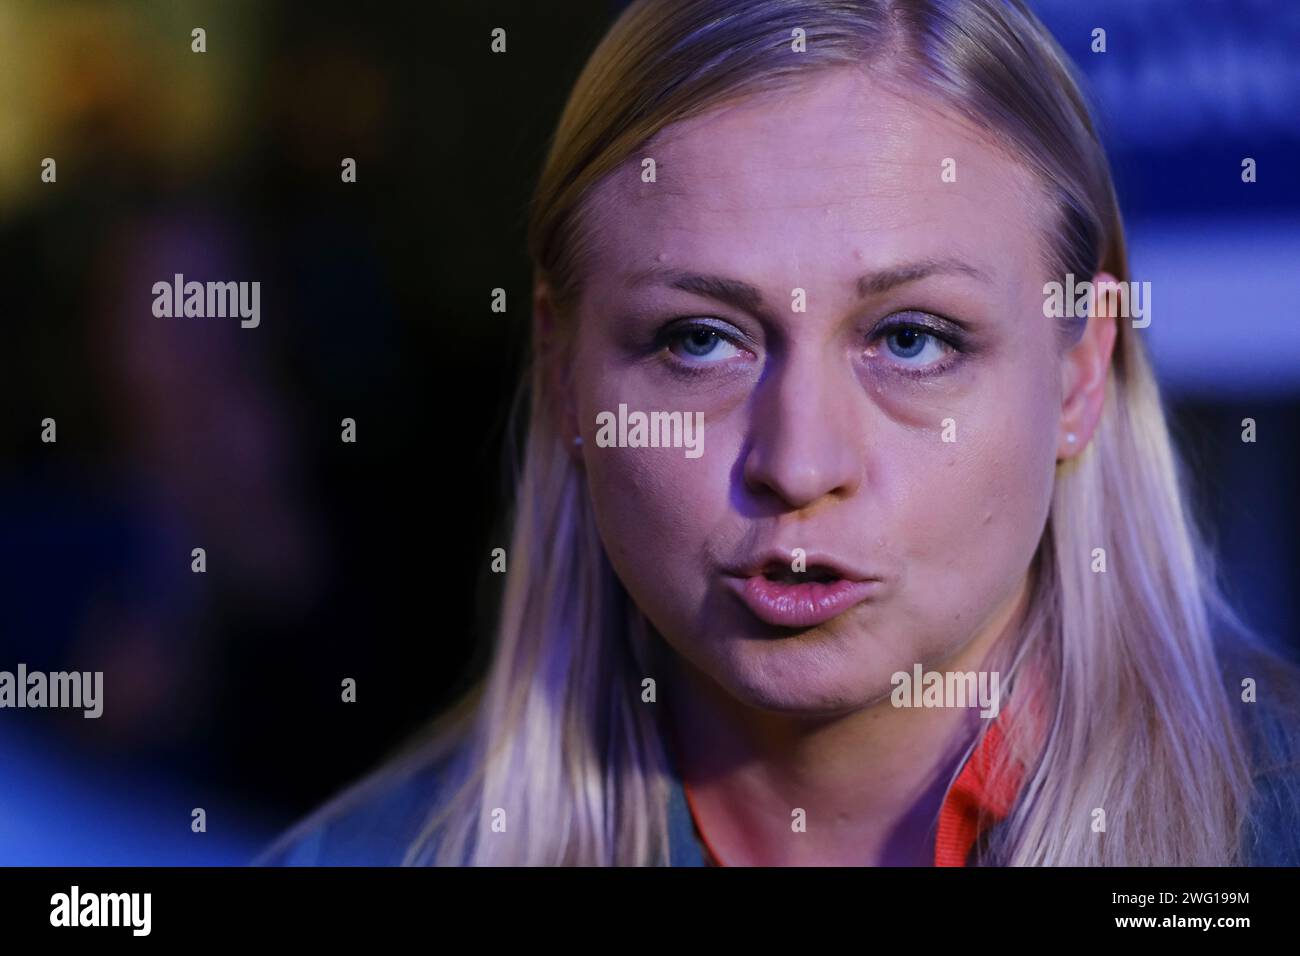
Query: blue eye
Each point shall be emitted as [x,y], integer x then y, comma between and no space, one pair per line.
[701,344]
[910,342]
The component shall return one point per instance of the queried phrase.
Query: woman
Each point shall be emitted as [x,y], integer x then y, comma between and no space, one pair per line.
[807,455]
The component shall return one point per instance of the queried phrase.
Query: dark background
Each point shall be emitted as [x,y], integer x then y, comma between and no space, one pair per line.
[370,560]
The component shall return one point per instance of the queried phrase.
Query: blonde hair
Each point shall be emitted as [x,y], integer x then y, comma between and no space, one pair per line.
[1138,718]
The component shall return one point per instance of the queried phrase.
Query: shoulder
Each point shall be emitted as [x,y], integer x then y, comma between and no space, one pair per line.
[1266,689]
[372,822]
[1273,827]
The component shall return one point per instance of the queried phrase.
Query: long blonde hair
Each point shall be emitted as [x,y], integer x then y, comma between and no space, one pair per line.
[1139,717]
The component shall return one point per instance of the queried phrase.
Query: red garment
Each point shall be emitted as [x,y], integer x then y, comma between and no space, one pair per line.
[970,808]
[972,805]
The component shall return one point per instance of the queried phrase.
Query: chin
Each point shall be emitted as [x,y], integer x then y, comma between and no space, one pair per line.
[796,675]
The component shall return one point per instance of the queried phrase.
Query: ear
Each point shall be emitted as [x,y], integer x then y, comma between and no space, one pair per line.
[1084,368]
[551,354]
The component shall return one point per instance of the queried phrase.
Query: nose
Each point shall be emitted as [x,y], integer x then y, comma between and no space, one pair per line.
[803,439]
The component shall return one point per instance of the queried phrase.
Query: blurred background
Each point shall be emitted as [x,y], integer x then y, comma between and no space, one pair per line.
[328,560]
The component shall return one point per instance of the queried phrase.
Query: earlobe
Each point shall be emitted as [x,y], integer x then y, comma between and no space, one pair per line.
[1086,370]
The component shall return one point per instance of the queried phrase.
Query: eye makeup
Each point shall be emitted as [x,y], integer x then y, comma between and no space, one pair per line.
[692,346]
[954,340]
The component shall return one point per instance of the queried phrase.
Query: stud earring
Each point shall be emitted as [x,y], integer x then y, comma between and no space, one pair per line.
[1071,437]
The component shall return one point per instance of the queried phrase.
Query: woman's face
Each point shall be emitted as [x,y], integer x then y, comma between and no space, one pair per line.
[864,338]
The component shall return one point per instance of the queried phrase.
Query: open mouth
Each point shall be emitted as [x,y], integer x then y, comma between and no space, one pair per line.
[781,596]
[784,574]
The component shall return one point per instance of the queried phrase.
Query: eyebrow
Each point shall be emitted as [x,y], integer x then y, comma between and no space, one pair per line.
[742,295]
[874,283]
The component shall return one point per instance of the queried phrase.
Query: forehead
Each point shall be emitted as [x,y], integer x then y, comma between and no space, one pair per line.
[839,168]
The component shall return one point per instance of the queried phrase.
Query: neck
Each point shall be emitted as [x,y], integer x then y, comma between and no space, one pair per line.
[870,781]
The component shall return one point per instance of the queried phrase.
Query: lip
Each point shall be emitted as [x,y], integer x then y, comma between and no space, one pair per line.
[804,604]
[812,559]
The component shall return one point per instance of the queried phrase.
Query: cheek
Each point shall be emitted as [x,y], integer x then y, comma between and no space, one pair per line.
[656,508]
[976,508]
[656,511]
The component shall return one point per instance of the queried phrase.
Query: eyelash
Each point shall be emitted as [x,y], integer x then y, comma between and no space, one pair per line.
[955,343]
[674,333]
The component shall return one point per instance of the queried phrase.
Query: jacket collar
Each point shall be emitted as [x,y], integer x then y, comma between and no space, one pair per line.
[976,803]
[975,807]
[684,845]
